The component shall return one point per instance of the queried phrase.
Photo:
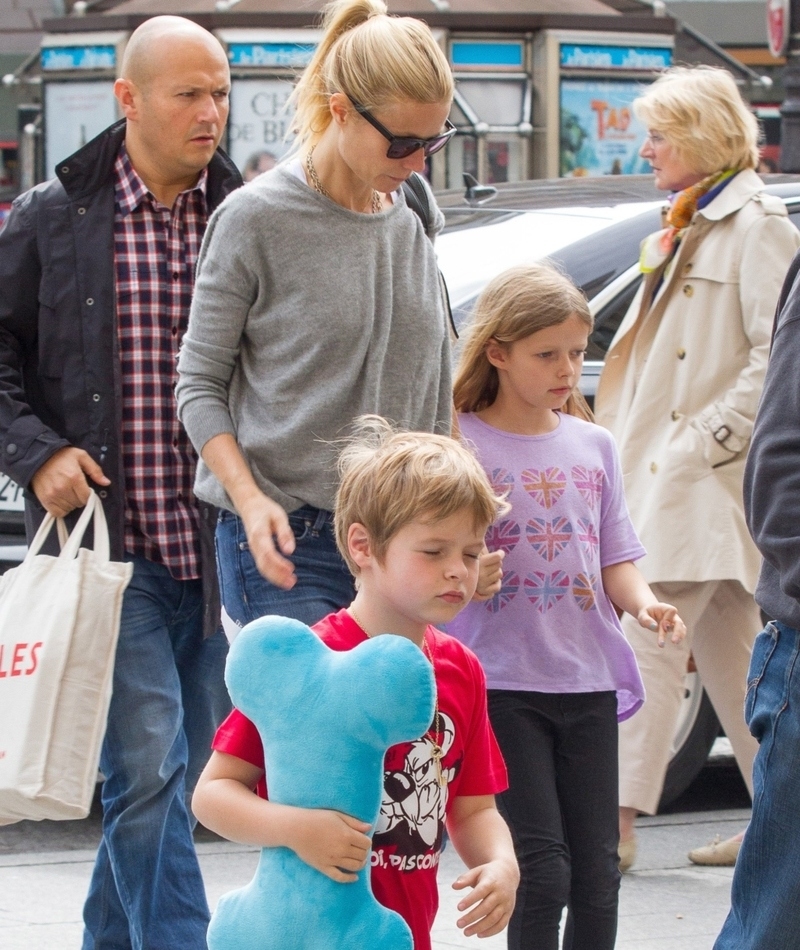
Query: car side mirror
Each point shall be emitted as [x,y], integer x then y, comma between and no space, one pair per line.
[476,193]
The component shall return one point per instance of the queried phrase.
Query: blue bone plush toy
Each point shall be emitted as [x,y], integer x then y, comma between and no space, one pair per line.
[326,720]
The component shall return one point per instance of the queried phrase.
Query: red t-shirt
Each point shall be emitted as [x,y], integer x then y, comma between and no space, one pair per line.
[408,836]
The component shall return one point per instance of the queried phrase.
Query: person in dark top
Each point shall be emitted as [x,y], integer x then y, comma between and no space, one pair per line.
[765,896]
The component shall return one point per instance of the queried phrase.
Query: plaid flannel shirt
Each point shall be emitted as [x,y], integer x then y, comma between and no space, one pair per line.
[155,251]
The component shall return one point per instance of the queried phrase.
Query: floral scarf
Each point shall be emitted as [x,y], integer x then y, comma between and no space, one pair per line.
[660,247]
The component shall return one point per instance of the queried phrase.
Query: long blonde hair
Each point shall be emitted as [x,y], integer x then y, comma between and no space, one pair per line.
[515,304]
[375,58]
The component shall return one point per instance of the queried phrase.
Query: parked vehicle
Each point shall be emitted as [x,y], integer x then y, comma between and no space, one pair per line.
[592,230]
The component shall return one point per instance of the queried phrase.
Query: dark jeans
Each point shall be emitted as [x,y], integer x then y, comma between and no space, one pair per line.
[562,809]
[324,582]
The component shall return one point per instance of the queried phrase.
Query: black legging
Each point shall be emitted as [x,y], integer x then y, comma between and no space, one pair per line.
[562,809]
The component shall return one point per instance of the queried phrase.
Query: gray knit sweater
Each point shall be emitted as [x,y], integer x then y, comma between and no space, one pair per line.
[306,315]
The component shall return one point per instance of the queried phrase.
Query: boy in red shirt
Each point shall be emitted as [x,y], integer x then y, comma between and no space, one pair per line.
[411,513]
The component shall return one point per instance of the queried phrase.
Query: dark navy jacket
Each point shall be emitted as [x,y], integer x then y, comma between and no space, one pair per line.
[772,472]
[59,367]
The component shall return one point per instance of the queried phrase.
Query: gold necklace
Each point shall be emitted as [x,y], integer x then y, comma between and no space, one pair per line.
[437,752]
[360,625]
[434,736]
[377,204]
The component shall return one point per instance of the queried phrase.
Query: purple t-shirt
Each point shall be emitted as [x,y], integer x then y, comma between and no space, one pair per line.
[552,628]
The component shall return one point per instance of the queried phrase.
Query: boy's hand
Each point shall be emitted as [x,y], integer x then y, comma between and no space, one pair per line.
[331,842]
[492,900]
[664,619]
[490,575]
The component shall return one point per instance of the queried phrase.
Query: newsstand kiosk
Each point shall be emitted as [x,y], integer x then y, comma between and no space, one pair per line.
[585,84]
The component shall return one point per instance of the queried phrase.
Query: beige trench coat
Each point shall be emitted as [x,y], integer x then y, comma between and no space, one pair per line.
[682,380]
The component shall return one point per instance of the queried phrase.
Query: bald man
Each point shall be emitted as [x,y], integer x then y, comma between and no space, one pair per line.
[96,270]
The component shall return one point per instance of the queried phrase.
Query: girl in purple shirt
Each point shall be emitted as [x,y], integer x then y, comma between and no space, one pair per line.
[559,670]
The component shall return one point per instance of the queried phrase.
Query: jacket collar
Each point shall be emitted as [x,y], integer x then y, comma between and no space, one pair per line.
[734,196]
[91,168]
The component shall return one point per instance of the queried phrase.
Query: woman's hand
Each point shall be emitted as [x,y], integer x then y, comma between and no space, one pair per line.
[664,619]
[265,522]
[269,537]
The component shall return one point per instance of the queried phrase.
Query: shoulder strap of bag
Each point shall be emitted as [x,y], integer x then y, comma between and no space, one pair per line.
[416,195]
[418,199]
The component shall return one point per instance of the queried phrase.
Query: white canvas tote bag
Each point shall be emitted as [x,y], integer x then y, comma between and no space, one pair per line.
[59,623]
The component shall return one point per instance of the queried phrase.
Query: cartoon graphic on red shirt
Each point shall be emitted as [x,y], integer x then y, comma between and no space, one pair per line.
[411,822]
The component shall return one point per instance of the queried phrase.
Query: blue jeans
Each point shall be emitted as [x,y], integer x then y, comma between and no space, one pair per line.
[765,896]
[168,697]
[324,582]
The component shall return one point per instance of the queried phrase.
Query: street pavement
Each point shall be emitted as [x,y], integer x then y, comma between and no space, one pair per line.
[666,902]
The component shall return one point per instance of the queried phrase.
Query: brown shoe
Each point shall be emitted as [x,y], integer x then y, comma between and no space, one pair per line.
[717,853]
[627,854]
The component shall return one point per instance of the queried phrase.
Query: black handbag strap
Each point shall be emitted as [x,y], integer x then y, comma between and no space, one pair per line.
[417,198]
[416,195]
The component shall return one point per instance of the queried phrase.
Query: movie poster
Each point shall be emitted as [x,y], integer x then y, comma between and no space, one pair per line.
[600,135]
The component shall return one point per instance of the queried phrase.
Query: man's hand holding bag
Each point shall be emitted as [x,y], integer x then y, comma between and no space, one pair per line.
[59,623]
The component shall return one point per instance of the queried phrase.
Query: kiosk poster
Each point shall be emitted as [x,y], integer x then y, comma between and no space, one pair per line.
[600,135]
[74,113]
[258,124]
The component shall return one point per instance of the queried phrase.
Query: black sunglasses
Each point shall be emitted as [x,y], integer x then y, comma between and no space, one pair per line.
[402,146]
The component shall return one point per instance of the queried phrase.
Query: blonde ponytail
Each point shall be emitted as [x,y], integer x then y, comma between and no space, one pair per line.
[373,57]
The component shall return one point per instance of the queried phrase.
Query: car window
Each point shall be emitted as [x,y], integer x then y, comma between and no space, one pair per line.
[470,258]
[594,261]
[607,321]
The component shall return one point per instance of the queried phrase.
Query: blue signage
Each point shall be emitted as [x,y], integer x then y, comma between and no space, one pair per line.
[615,57]
[78,57]
[270,54]
[480,53]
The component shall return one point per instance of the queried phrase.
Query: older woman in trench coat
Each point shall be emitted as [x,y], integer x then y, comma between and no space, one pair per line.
[679,392]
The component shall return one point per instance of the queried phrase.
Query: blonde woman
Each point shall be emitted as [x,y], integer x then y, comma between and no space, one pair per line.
[317,300]
[679,392]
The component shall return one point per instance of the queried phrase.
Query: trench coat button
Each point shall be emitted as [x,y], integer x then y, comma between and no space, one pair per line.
[687,267]
[81,210]
[96,397]
[688,290]
[681,353]
[675,415]
[90,301]
[11,449]
[653,467]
